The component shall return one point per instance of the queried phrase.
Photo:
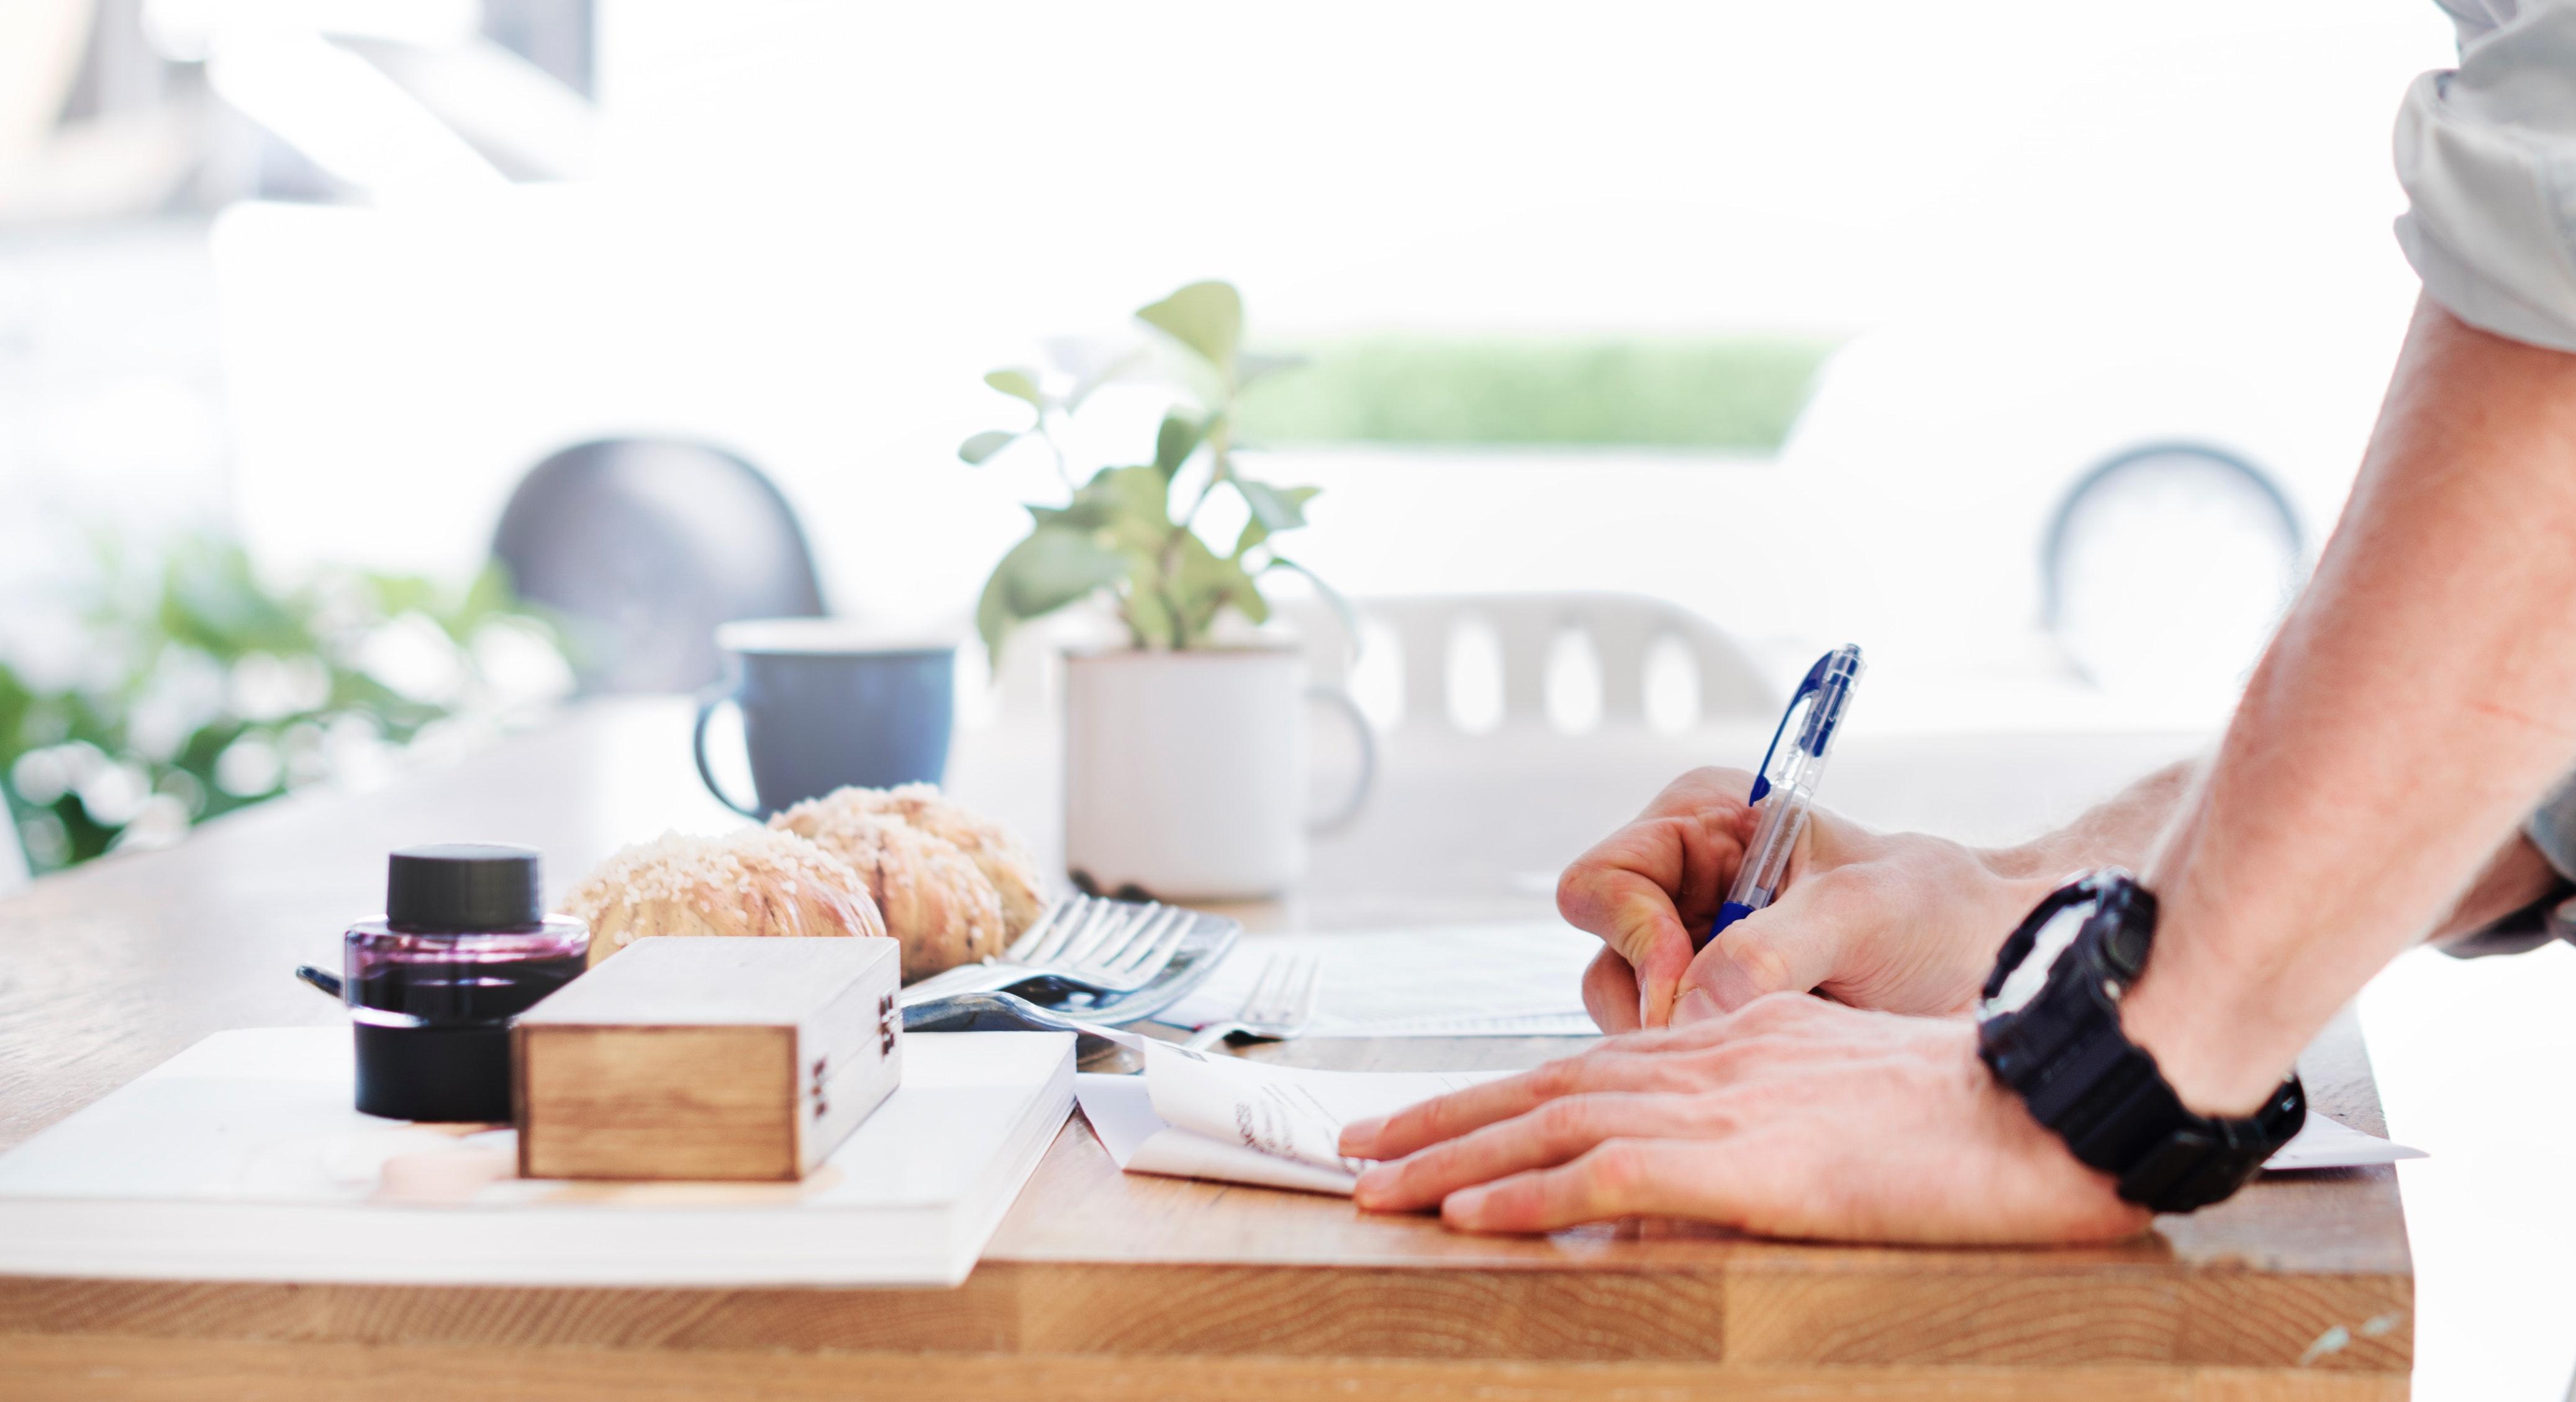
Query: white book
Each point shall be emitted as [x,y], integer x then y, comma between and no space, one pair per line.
[242,1158]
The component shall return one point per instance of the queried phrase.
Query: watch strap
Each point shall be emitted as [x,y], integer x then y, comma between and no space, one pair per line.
[2064,1052]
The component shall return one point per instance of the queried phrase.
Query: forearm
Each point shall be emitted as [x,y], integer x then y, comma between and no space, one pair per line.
[2122,831]
[2413,707]
[2118,832]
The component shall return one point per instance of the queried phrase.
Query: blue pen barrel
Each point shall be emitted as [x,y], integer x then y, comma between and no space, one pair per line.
[1786,788]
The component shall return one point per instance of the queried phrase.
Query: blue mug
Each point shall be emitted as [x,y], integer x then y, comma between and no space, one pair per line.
[826,703]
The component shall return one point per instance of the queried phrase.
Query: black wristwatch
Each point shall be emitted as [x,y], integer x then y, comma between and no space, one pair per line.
[2049,1027]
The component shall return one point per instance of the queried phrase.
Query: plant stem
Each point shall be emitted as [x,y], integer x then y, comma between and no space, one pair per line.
[1220,461]
[1063,469]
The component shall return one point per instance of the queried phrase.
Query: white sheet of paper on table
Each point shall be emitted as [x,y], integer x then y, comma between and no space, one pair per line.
[2330,1143]
[1523,980]
[1228,1120]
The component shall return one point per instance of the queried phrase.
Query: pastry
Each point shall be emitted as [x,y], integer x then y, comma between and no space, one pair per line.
[995,852]
[753,882]
[933,897]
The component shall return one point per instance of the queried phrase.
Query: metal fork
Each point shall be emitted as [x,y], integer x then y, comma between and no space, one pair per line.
[1281,1003]
[1092,945]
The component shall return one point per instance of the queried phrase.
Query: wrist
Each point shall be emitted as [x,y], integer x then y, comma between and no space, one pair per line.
[2212,1034]
[2022,876]
[2052,1028]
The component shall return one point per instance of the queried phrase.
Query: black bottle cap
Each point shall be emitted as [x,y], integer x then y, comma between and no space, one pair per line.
[463,887]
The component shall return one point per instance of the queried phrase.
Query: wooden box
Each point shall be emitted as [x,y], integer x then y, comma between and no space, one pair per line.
[690,1057]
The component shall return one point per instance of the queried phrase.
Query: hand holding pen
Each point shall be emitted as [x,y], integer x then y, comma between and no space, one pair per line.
[1657,889]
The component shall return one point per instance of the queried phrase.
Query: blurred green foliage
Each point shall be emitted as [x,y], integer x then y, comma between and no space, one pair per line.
[1740,394]
[183,687]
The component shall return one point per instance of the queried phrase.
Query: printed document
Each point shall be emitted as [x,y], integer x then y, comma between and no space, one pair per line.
[1515,980]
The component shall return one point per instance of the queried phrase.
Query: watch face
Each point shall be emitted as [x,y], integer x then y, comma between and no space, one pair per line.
[2031,974]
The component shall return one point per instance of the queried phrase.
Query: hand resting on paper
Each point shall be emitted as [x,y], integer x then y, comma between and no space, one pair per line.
[1790,1117]
[1901,921]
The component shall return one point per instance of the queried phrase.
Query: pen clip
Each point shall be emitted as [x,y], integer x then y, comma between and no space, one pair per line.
[1815,680]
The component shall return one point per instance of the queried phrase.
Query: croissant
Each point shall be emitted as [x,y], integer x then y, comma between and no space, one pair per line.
[934,899]
[752,882]
[995,852]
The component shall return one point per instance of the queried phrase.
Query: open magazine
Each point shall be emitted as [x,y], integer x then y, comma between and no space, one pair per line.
[1213,1116]
[1210,1115]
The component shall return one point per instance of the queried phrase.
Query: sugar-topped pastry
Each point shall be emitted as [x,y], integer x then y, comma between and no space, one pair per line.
[995,852]
[933,897]
[757,881]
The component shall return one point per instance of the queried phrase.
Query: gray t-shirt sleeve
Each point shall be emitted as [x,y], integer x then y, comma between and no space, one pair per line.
[2552,829]
[2487,154]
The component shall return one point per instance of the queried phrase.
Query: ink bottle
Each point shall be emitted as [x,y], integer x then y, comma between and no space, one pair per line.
[465,945]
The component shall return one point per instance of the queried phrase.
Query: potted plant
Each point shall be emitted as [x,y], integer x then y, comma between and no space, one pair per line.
[1184,750]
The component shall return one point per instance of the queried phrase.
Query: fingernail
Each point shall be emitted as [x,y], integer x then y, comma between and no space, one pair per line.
[1464,1206]
[1374,1185]
[1695,1006]
[1359,1133]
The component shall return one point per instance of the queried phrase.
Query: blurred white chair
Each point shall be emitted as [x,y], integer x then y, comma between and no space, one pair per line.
[1413,640]
[1536,642]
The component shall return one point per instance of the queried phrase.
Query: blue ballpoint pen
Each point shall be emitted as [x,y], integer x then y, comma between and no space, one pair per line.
[1788,782]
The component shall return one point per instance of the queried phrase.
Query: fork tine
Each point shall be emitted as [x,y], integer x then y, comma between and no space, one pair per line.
[1155,940]
[1122,937]
[1105,918]
[1303,1009]
[1043,937]
[1257,1002]
[1279,994]
[1068,931]
[1025,949]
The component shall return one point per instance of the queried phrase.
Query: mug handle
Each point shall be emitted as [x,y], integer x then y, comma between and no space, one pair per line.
[1341,817]
[708,701]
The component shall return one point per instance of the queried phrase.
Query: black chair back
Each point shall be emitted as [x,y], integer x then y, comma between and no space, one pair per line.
[638,548]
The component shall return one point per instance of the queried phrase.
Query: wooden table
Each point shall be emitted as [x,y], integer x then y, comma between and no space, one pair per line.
[1099,1284]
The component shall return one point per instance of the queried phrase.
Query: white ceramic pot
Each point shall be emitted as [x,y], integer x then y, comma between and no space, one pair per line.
[1185,772]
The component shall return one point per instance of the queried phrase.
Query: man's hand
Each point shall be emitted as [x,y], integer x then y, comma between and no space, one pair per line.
[1903,921]
[1792,1117]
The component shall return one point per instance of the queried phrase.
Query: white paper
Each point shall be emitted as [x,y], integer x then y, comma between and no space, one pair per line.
[1523,980]
[1228,1120]
[2330,1143]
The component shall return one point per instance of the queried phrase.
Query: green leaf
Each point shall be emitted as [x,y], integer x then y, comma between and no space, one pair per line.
[980,448]
[1018,384]
[1085,513]
[1136,506]
[1041,574]
[1203,584]
[1092,361]
[1179,437]
[1207,317]
[1252,534]
[1276,508]
[1341,604]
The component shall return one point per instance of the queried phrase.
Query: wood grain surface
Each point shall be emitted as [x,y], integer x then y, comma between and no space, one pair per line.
[1102,1284]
